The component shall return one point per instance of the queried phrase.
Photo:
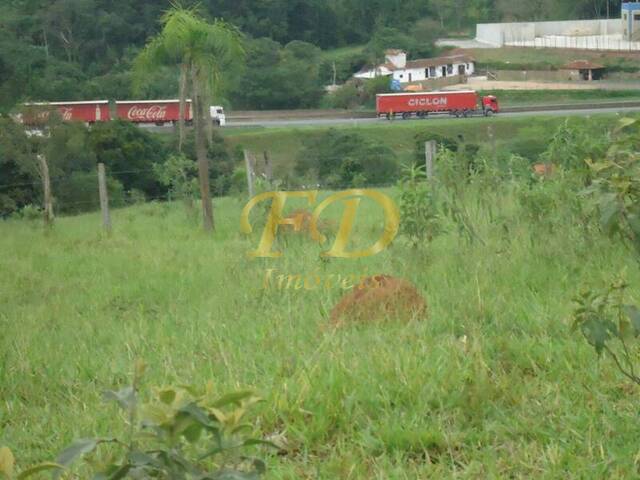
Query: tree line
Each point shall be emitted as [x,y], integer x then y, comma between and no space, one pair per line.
[73,49]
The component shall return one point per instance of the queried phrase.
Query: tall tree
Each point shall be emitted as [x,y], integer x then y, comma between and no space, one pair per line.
[203,53]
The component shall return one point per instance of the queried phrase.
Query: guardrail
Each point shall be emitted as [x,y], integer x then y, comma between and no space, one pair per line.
[266,115]
[249,115]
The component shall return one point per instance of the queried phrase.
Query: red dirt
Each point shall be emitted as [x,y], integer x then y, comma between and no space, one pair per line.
[544,169]
[379,298]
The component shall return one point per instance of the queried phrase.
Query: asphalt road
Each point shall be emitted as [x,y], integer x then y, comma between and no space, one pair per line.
[328,122]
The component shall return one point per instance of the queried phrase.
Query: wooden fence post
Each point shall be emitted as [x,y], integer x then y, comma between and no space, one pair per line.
[46,188]
[268,168]
[492,140]
[104,198]
[250,175]
[430,152]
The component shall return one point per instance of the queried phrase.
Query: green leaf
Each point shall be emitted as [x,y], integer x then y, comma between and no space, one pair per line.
[76,450]
[7,462]
[232,398]
[597,332]
[167,396]
[235,475]
[120,473]
[609,213]
[126,397]
[192,434]
[634,317]
[198,414]
[142,459]
[625,123]
[41,467]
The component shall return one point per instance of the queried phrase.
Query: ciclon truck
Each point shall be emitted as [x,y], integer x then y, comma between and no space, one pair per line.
[464,103]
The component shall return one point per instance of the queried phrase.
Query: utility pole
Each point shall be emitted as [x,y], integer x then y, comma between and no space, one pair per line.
[430,151]
[250,175]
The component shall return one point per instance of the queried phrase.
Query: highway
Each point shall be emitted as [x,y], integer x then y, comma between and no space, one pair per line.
[265,122]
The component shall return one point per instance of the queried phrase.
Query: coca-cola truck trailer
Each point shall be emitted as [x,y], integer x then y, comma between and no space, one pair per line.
[462,103]
[88,112]
[153,111]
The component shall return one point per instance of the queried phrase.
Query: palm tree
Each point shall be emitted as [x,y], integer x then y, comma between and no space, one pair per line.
[204,53]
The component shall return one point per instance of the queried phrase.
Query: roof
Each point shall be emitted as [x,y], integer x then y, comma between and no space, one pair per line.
[130,102]
[441,92]
[582,65]
[58,104]
[393,51]
[631,6]
[435,62]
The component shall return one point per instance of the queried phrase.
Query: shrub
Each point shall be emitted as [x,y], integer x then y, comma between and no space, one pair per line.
[421,221]
[340,159]
[78,193]
[184,432]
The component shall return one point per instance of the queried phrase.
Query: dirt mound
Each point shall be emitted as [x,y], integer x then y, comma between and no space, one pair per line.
[378,298]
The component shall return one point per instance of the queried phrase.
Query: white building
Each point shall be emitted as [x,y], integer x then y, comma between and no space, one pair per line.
[405,71]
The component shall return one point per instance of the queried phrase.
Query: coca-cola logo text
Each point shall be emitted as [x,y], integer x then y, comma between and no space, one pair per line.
[152,113]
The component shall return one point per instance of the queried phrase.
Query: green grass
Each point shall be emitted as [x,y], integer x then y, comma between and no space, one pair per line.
[490,384]
[515,58]
[509,98]
[338,54]
[524,135]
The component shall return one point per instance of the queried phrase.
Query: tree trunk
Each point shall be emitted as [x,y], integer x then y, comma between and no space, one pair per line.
[201,152]
[183,102]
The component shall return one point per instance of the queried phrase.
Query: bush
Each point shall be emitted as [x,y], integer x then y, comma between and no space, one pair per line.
[339,159]
[79,193]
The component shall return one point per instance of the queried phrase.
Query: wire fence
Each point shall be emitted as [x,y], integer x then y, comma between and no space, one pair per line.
[130,198]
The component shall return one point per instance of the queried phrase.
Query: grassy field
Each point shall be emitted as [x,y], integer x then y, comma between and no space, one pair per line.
[517,98]
[516,58]
[526,135]
[490,383]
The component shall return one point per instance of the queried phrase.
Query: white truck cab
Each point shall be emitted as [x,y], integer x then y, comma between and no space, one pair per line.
[217,116]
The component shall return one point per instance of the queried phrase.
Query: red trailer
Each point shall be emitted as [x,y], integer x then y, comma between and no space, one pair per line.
[459,103]
[152,111]
[88,112]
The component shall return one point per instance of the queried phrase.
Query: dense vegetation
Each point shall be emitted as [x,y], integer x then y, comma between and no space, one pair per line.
[144,166]
[79,49]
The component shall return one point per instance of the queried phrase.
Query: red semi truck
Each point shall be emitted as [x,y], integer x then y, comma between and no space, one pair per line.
[153,111]
[458,103]
[88,112]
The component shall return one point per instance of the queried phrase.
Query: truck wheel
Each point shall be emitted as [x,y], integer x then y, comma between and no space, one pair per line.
[456,113]
[488,113]
[406,115]
[465,114]
[423,114]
